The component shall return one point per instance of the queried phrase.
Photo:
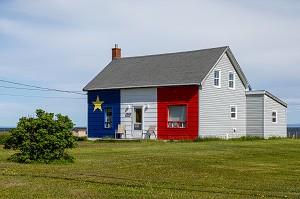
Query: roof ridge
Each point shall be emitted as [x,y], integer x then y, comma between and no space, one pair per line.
[157,69]
[163,54]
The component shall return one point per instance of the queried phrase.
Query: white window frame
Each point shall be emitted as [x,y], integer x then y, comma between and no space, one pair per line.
[233,81]
[177,123]
[218,86]
[273,111]
[233,106]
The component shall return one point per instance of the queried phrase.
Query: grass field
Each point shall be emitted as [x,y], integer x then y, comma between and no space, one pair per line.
[156,169]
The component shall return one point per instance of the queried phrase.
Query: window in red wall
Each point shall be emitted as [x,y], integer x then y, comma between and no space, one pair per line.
[177,116]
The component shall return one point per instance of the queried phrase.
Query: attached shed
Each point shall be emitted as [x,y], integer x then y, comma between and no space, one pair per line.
[266,114]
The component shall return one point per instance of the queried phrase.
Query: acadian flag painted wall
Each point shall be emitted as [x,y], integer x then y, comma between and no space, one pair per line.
[98,103]
[174,111]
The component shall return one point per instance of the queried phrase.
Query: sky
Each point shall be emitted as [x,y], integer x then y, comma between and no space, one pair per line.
[63,44]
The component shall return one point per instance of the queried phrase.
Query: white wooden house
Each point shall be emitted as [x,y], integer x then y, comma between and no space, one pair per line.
[202,93]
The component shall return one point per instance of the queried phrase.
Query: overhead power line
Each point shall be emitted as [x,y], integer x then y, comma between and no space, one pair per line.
[19,88]
[40,88]
[16,95]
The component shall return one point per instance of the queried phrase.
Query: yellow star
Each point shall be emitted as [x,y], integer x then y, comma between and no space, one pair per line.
[97,104]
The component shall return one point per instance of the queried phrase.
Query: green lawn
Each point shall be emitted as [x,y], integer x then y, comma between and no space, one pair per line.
[156,169]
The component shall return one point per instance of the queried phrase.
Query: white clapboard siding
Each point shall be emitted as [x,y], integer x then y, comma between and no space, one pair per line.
[214,104]
[274,129]
[142,97]
[255,115]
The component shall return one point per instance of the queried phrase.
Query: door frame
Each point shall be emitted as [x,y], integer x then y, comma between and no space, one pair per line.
[133,118]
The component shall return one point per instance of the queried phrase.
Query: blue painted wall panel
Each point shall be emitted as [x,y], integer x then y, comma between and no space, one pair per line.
[111,99]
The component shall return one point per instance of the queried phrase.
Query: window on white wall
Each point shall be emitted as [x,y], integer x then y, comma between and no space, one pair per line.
[274,116]
[231,80]
[233,112]
[217,78]
[177,116]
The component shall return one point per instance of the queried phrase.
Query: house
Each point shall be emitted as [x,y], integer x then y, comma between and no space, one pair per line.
[201,93]
[79,131]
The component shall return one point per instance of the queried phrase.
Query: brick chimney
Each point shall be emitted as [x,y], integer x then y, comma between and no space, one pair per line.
[116,52]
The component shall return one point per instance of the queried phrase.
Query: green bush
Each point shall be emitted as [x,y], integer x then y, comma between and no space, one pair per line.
[3,137]
[41,139]
[110,140]
[205,139]
[276,138]
[83,138]
[247,138]
[243,138]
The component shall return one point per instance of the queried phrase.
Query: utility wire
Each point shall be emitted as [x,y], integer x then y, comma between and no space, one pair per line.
[31,89]
[16,95]
[43,88]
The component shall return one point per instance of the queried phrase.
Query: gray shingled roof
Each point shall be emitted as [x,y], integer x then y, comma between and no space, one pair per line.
[182,68]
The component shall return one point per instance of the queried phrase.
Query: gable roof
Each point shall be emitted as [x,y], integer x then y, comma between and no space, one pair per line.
[171,69]
[264,92]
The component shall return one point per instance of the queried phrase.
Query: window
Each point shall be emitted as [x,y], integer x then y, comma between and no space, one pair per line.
[274,116]
[177,116]
[231,81]
[217,78]
[233,112]
[108,118]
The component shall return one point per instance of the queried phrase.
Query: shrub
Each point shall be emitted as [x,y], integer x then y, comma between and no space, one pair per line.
[243,138]
[247,138]
[83,138]
[276,138]
[3,137]
[42,139]
[205,139]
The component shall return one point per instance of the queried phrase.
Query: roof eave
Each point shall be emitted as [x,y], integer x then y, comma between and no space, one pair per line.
[202,82]
[237,68]
[235,65]
[142,86]
[264,92]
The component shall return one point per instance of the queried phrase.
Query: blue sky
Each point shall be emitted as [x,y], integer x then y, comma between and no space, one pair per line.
[63,44]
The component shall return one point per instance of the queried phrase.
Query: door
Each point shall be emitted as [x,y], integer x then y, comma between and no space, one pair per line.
[137,122]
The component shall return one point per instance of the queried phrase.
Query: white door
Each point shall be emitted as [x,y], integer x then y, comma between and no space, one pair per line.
[137,122]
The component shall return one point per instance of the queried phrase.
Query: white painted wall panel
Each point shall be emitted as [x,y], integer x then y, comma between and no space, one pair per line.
[141,97]
[255,115]
[274,129]
[214,104]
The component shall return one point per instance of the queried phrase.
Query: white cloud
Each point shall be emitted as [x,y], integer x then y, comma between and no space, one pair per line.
[64,44]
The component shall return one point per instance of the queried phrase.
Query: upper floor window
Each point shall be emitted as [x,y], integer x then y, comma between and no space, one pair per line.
[231,80]
[217,78]
[233,112]
[274,116]
[108,118]
[177,116]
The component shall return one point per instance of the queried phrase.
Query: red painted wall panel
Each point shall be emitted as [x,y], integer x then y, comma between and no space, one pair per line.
[177,95]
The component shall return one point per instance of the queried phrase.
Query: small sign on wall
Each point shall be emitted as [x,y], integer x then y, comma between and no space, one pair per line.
[127,114]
